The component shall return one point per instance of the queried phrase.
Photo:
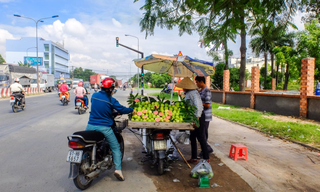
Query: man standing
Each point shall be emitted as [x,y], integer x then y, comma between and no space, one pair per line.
[206,115]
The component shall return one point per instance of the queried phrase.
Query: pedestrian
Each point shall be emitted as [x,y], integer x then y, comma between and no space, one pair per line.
[198,133]
[206,115]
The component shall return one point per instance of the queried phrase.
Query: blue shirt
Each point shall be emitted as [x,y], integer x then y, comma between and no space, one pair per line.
[102,106]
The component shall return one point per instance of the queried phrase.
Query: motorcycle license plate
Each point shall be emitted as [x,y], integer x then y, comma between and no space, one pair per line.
[160,144]
[12,100]
[74,156]
[78,104]
[63,96]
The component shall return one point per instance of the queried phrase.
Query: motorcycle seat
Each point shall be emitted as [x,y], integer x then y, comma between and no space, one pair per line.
[91,135]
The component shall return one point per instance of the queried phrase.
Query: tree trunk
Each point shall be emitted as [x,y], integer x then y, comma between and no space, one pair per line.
[272,64]
[226,56]
[277,75]
[265,69]
[286,80]
[243,50]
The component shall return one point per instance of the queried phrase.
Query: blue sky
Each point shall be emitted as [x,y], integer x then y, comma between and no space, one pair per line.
[88,29]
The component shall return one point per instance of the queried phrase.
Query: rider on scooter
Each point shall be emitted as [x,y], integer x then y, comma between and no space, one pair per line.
[17,90]
[101,119]
[80,93]
[64,90]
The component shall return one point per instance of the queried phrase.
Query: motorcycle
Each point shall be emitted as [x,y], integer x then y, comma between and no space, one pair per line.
[165,90]
[156,144]
[64,100]
[90,154]
[16,103]
[80,106]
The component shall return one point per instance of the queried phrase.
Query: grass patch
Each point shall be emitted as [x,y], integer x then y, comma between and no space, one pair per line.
[166,95]
[304,133]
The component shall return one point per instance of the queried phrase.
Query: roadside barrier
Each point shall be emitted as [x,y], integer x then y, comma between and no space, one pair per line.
[5,92]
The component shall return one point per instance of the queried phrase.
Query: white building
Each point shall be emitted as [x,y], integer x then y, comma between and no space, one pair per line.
[53,58]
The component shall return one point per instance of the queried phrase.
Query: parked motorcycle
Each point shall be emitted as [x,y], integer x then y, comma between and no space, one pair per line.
[64,100]
[90,153]
[16,103]
[157,148]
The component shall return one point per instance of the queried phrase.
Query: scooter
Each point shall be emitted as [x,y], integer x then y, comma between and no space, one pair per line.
[157,149]
[165,90]
[90,154]
[80,106]
[64,100]
[16,103]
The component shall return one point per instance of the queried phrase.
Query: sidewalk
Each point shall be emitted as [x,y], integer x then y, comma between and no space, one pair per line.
[273,164]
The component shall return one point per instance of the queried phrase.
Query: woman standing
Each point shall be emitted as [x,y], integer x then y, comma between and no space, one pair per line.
[193,95]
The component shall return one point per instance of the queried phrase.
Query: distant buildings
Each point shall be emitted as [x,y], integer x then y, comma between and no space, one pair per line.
[53,58]
[251,61]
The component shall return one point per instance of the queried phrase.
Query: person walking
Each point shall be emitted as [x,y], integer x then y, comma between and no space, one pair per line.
[206,115]
[199,133]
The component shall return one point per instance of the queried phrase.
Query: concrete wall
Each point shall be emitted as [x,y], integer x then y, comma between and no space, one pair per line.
[239,99]
[216,97]
[281,105]
[313,109]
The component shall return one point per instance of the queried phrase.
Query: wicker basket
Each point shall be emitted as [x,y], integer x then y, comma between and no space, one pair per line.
[121,123]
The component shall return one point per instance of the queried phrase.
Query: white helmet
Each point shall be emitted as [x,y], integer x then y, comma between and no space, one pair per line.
[16,79]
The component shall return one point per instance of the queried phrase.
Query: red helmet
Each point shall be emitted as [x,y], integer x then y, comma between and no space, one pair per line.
[108,83]
[80,84]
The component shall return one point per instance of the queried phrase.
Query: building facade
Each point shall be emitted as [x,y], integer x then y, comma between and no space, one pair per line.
[53,58]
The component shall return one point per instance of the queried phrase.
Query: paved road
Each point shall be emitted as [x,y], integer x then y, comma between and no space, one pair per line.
[34,148]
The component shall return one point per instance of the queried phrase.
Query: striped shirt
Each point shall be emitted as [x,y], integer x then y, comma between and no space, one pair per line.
[195,100]
[206,98]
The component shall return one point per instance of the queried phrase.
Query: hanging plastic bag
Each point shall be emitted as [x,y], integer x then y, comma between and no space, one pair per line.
[202,165]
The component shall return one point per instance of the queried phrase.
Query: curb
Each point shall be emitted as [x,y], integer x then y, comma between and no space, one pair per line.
[253,128]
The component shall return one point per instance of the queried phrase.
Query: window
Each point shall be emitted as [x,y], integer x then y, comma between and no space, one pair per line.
[46,64]
[46,47]
[46,56]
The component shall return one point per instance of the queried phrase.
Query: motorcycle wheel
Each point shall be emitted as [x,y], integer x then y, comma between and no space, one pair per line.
[160,166]
[121,147]
[14,109]
[80,181]
[79,111]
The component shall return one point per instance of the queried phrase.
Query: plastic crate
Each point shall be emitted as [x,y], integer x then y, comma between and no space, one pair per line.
[121,123]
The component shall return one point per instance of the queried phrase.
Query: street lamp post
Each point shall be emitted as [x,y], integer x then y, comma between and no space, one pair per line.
[138,58]
[37,21]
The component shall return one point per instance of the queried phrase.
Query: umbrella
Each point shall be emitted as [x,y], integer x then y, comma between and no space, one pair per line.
[169,64]
[185,67]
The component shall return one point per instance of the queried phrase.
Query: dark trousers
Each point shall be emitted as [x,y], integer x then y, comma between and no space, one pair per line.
[20,96]
[200,134]
[205,125]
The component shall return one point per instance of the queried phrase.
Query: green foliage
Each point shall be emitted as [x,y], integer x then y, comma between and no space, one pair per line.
[23,64]
[156,79]
[2,59]
[82,74]
[308,44]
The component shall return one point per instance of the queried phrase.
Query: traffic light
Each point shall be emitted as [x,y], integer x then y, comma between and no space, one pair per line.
[117,41]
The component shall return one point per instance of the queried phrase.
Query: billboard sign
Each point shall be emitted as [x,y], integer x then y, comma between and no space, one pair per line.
[33,61]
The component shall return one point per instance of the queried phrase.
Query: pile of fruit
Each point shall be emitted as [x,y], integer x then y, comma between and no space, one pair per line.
[152,110]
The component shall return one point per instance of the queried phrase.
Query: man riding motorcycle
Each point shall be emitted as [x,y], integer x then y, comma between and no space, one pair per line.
[101,119]
[17,90]
[64,90]
[80,93]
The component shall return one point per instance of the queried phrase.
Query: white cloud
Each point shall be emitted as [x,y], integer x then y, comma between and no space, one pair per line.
[4,35]
[116,23]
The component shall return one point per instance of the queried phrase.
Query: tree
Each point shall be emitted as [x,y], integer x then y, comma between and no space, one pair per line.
[82,74]
[308,44]
[2,59]
[312,8]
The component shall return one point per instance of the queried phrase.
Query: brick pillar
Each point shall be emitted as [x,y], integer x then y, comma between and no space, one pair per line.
[255,86]
[307,84]
[273,84]
[226,84]
[208,82]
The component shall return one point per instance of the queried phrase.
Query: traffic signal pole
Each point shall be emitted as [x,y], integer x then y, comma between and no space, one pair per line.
[141,53]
